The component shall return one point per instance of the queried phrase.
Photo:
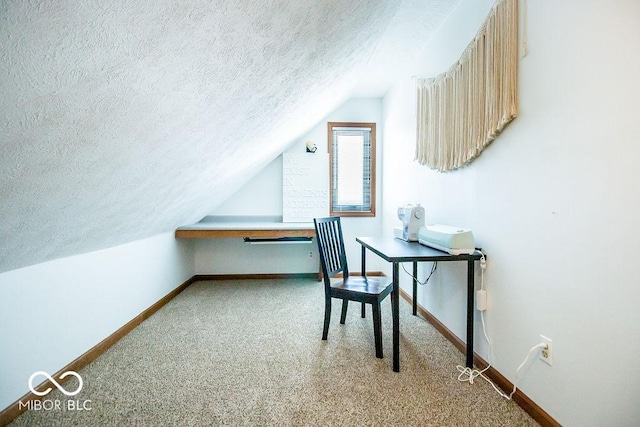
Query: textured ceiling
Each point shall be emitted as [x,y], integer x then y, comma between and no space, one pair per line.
[120,120]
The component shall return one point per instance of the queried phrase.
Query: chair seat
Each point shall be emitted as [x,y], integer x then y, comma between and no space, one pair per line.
[375,287]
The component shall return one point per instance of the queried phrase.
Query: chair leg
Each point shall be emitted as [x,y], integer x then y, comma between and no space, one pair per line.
[343,316]
[377,328]
[327,317]
[364,312]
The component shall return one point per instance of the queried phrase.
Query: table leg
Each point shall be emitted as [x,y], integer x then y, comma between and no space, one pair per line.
[470,304]
[363,271]
[395,308]
[415,288]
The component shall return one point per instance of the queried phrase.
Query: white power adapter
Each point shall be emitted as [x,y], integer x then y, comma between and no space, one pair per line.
[481,300]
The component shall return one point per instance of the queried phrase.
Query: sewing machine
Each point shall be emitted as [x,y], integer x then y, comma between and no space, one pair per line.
[453,240]
[412,218]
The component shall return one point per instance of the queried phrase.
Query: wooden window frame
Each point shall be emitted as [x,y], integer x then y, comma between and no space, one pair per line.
[372,169]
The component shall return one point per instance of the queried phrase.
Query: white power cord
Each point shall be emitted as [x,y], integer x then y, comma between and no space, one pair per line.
[469,374]
[515,383]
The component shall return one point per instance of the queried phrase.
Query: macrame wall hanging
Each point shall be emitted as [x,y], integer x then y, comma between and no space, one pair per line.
[462,110]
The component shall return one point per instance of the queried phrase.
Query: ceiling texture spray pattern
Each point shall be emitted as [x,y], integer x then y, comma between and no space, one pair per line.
[121,120]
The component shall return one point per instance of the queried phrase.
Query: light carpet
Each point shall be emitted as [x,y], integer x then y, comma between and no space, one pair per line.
[249,352]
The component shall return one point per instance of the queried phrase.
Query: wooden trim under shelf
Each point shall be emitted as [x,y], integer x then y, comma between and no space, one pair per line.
[206,277]
[255,233]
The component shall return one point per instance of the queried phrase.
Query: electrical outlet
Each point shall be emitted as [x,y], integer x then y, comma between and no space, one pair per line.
[310,254]
[546,354]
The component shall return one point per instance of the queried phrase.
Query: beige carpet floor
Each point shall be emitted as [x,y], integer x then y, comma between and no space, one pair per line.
[249,353]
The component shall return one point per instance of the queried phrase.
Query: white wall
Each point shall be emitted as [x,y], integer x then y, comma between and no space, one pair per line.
[263,196]
[554,202]
[53,312]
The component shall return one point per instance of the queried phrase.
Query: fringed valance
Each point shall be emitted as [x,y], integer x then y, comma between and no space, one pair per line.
[462,110]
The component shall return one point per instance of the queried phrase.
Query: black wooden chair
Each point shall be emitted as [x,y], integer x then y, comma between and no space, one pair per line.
[366,290]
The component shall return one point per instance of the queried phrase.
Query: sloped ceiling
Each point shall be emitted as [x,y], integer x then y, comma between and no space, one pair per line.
[124,119]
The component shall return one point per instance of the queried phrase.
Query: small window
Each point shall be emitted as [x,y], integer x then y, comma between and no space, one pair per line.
[352,148]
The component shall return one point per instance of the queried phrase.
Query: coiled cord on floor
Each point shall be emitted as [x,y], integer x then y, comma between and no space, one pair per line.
[470,374]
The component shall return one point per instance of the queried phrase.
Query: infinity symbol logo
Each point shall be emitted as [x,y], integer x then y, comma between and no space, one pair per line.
[47,391]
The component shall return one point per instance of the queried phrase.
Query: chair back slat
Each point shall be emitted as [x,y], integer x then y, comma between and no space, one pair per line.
[331,247]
